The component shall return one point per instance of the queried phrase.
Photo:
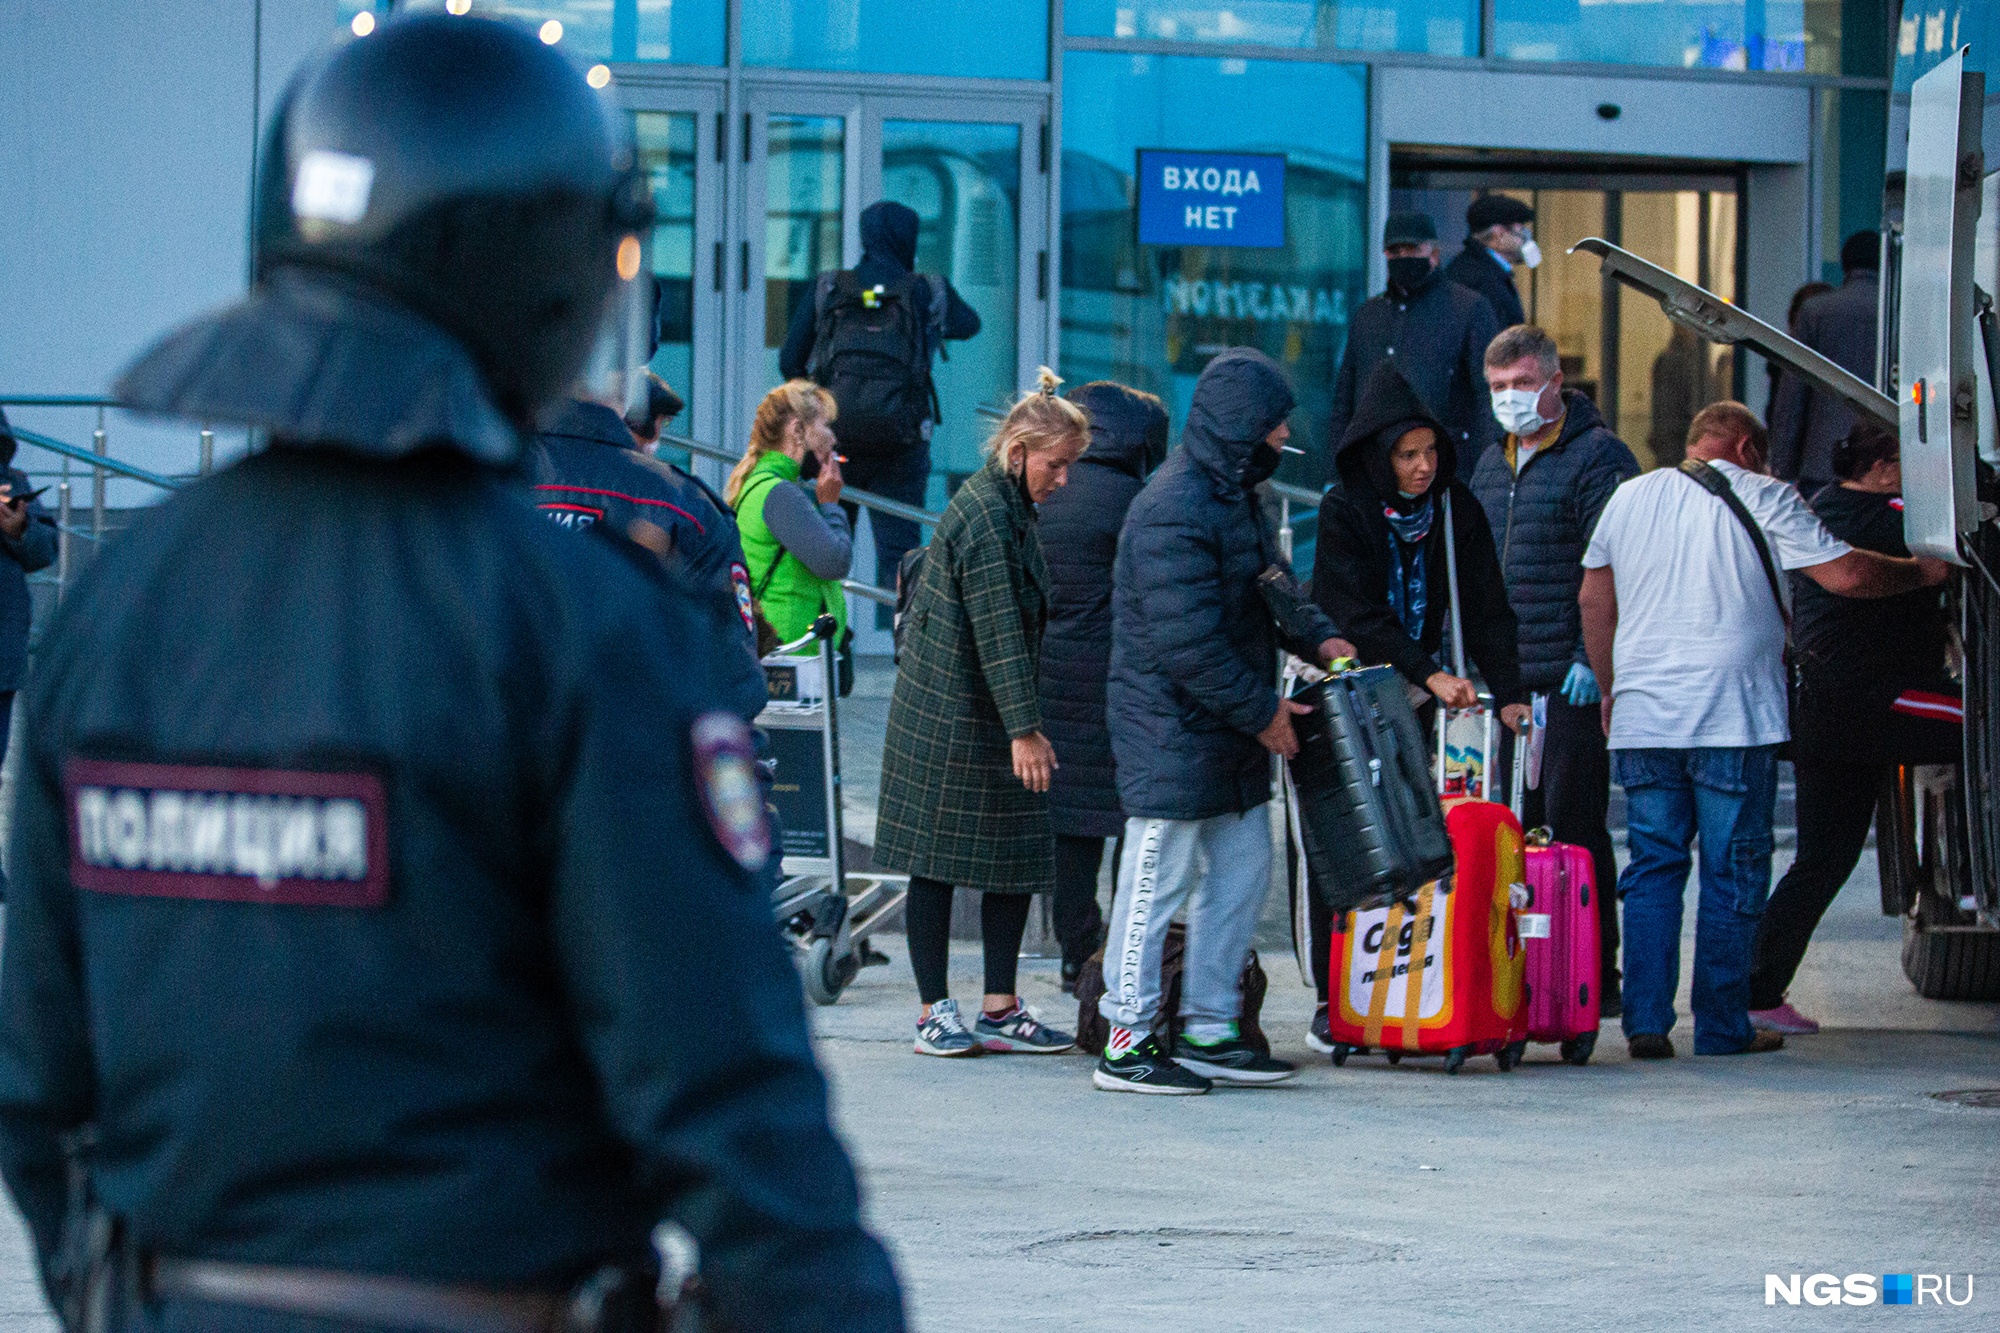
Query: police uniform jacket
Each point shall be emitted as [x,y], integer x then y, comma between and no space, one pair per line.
[587,470]
[379,881]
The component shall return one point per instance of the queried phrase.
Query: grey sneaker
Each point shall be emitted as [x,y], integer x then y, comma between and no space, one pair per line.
[943,1033]
[1021,1033]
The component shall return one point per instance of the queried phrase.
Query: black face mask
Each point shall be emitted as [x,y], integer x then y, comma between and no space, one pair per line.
[1409,272]
[1263,462]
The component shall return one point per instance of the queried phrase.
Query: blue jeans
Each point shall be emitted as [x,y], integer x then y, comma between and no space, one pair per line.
[1727,796]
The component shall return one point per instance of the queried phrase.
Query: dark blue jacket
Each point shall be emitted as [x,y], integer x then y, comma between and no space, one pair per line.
[1194,654]
[888,252]
[1542,521]
[1478,269]
[413,1014]
[1437,337]
[35,550]
[586,469]
[1079,527]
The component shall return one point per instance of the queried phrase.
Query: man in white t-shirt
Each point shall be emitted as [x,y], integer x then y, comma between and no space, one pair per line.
[1684,633]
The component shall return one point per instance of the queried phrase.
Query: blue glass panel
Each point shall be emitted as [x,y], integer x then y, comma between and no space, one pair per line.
[1438,27]
[997,39]
[1152,315]
[1930,30]
[1786,35]
[685,32]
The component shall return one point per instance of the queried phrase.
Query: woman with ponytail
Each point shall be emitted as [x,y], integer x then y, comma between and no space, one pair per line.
[786,494]
[966,768]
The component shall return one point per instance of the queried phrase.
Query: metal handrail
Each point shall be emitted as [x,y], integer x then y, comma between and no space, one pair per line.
[866,499]
[869,593]
[105,461]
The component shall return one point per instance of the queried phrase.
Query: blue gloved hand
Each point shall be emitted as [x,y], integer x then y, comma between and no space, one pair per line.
[1580,686]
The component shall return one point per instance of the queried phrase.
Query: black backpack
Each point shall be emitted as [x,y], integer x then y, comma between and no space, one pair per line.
[872,350]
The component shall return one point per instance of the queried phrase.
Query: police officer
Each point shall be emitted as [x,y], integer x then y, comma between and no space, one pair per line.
[372,866]
[588,470]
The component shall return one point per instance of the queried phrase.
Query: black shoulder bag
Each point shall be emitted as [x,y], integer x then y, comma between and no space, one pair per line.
[1718,485]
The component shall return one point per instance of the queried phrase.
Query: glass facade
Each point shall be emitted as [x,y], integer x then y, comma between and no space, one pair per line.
[1781,35]
[1931,30]
[1153,315]
[666,142]
[805,177]
[1434,27]
[995,39]
[685,32]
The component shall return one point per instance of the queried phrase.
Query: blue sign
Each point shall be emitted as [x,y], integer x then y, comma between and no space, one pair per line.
[1188,198]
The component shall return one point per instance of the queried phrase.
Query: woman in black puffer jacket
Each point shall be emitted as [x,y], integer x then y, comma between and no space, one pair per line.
[1079,527]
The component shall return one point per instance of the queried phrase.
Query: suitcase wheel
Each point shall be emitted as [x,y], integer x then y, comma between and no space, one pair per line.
[1577,1050]
[1395,1057]
[1509,1057]
[1341,1050]
[1454,1059]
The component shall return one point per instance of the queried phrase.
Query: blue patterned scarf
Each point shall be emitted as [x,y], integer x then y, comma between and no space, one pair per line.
[1407,592]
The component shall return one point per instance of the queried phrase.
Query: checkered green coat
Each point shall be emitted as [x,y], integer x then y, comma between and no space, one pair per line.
[951,806]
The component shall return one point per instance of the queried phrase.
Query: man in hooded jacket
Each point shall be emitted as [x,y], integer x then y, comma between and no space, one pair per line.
[1432,329]
[1195,717]
[888,255]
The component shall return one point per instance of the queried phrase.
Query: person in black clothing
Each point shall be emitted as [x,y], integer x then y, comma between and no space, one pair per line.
[649,418]
[28,543]
[1502,238]
[1432,329]
[1840,326]
[888,254]
[1379,572]
[1872,694]
[370,861]
[1079,526]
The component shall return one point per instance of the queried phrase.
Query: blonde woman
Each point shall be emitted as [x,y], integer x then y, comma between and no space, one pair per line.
[965,772]
[796,540]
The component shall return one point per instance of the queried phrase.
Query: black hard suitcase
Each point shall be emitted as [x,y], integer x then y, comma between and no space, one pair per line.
[1368,813]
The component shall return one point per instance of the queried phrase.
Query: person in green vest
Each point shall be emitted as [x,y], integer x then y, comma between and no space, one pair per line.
[796,539]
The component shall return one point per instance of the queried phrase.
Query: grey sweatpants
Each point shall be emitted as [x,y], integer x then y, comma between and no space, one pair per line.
[1163,869]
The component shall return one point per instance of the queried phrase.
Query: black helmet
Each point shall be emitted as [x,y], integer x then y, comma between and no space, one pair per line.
[466,169]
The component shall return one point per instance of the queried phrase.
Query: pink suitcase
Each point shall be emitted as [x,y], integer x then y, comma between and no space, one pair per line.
[1559,939]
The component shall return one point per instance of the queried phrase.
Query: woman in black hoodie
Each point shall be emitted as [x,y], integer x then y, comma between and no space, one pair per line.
[1380,573]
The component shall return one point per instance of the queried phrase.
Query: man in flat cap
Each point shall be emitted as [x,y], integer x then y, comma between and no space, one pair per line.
[1501,239]
[1434,330]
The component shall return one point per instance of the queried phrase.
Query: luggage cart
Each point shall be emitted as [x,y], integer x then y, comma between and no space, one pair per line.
[826,911]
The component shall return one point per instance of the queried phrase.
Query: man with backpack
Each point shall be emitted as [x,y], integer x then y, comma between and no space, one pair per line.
[868,335]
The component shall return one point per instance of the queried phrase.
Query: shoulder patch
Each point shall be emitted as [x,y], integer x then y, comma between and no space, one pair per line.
[725,772]
[251,835]
[746,605]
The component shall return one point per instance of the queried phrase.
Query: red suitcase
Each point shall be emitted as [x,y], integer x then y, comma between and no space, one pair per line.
[1439,973]
[1559,939]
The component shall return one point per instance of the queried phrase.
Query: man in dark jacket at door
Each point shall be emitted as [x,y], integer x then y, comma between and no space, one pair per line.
[888,255]
[1840,325]
[1542,490]
[1080,525]
[1195,718]
[1434,330]
[1500,240]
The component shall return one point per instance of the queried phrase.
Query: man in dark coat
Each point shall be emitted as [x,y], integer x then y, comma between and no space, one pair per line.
[1500,238]
[888,254]
[28,543]
[1542,491]
[1080,525]
[1434,330]
[364,858]
[1195,718]
[1840,325]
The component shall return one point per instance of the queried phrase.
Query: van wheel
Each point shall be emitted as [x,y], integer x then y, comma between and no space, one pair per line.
[1953,963]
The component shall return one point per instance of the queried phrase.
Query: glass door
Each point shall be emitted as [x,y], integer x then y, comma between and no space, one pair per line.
[676,134]
[973,168]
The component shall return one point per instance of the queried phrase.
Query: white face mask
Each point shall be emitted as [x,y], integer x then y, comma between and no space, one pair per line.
[1515,410]
[1531,254]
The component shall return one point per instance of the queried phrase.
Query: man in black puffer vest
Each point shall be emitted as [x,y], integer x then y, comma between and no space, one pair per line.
[1080,523]
[1543,489]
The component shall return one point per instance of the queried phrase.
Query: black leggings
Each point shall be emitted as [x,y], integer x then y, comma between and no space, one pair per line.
[1836,803]
[1003,920]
